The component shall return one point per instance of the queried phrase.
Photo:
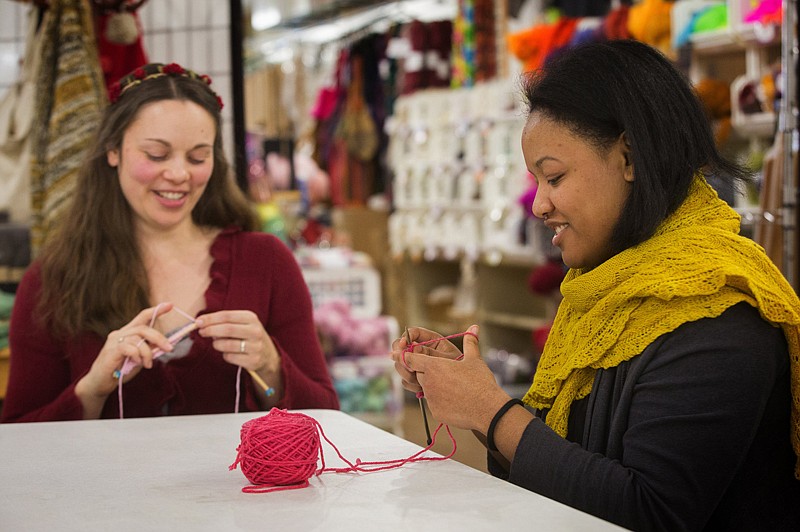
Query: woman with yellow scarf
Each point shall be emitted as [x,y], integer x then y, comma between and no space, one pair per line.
[668,393]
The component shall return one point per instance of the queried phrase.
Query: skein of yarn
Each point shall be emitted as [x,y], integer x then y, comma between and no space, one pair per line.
[121,28]
[279,451]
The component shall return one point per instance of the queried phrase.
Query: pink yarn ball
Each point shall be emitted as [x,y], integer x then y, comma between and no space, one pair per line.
[279,449]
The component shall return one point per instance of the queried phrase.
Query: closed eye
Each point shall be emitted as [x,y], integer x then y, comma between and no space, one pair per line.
[199,155]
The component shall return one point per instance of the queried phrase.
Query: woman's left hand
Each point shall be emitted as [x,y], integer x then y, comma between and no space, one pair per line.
[462,393]
[242,340]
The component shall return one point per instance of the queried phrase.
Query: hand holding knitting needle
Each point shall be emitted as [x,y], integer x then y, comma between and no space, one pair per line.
[463,394]
[137,341]
[429,348]
[243,341]
[422,341]
[420,395]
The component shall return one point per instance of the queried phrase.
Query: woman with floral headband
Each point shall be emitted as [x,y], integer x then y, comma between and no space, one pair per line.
[667,396]
[156,292]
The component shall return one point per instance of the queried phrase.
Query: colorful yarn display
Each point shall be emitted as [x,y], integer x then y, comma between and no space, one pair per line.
[280,451]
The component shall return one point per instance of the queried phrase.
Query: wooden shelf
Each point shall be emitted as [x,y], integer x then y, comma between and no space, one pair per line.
[755,125]
[9,274]
[505,308]
[512,321]
[741,55]
[729,40]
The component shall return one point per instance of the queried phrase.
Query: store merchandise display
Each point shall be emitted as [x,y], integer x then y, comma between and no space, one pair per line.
[355,336]
[458,174]
[746,54]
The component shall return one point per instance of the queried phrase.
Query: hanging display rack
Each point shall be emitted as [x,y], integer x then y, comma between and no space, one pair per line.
[787,125]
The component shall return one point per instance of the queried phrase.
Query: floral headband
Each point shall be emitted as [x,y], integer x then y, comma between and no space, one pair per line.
[153,71]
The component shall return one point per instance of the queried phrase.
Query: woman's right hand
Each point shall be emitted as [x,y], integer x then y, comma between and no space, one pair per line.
[137,341]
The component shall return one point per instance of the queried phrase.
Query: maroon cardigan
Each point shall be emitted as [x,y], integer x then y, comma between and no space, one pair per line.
[253,271]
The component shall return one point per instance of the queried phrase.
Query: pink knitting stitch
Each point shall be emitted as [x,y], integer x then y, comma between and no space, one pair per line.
[410,349]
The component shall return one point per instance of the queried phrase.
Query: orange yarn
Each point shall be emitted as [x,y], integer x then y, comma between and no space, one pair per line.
[716,97]
[532,46]
[649,22]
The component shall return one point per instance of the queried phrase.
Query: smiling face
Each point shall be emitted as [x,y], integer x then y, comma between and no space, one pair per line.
[581,190]
[164,163]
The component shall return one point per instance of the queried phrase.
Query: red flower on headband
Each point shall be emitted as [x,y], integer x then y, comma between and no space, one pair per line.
[219,101]
[139,73]
[114,91]
[174,68]
[206,78]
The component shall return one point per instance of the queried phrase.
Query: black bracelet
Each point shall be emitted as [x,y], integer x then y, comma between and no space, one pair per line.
[500,413]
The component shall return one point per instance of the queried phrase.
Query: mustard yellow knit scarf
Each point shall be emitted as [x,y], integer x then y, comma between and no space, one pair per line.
[695,266]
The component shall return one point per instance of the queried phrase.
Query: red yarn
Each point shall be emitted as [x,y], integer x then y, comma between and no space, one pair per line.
[279,451]
[546,278]
[410,349]
[540,335]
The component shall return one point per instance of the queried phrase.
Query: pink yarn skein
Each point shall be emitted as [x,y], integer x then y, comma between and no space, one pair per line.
[279,451]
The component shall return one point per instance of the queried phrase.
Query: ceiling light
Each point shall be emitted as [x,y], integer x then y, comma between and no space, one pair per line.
[265,18]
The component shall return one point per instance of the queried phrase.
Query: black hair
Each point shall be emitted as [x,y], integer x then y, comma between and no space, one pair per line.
[602,90]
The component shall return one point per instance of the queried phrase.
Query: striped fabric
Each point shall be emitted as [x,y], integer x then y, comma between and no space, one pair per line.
[70,98]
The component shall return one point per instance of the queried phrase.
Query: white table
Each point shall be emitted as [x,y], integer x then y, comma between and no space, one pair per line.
[171,473]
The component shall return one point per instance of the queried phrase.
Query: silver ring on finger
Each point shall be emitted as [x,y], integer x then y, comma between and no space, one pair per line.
[242,346]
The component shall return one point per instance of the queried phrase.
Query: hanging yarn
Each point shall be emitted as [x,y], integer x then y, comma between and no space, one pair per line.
[173,339]
[410,349]
[122,29]
[279,451]
[129,364]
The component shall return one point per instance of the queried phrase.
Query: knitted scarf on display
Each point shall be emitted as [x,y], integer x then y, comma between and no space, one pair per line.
[695,266]
[70,97]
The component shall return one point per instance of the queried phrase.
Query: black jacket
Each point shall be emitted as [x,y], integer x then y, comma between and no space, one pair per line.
[692,434]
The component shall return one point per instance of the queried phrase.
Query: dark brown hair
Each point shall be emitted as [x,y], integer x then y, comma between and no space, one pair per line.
[93,277]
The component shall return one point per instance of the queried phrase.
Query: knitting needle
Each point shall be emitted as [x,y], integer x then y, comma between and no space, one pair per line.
[269,391]
[173,339]
[420,396]
[425,418]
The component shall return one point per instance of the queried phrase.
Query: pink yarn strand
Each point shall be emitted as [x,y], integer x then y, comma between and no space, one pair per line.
[369,467]
[280,451]
[426,342]
[173,339]
[119,397]
[238,389]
